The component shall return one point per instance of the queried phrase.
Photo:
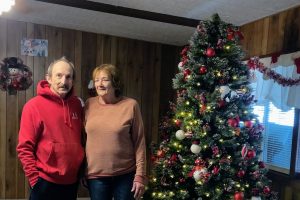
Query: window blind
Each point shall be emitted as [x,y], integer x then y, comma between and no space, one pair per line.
[277,135]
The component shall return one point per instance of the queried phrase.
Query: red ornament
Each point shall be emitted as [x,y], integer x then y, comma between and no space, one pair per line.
[232,122]
[199,162]
[153,158]
[181,180]
[248,124]
[230,36]
[221,103]
[241,174]
[202,70]
[173,158]
[210,52]
[160,153]
[261,164]
[186,72]
[202,108]
[251,154]
[239,196]
[177,122]
[216,170]
[197,168]
[266,190]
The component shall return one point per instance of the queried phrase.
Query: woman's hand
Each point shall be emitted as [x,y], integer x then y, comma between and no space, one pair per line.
[138,189]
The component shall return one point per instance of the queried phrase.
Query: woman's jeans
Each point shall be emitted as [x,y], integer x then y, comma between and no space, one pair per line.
[117,187]
[45,190]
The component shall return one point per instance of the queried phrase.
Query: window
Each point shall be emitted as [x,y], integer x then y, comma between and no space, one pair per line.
[277,135]
[278,109]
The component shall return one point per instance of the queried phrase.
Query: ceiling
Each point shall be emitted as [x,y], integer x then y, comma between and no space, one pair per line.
[162,21]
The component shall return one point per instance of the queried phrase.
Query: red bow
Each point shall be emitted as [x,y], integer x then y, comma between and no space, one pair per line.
[297,63]
[274,57]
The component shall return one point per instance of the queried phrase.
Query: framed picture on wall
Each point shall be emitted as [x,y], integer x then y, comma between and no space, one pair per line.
[34,47]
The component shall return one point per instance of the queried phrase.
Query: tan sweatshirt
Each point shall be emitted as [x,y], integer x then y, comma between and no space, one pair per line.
[115,139]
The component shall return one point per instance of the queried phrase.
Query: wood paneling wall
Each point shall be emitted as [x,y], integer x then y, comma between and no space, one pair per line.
[279,33]
[145,70]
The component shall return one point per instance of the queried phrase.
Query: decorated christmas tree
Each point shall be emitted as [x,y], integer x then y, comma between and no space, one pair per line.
[210,139]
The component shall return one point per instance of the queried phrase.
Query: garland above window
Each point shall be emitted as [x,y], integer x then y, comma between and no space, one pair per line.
[254,63]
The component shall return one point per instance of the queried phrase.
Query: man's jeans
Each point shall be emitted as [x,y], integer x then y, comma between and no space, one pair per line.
[45,190]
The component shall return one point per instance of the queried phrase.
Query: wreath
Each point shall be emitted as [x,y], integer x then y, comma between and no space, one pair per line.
[14,75]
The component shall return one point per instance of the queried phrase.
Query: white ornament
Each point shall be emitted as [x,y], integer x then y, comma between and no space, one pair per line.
[224,90]
[233,94]
[180,65]
[195,148]
[180,134]
[203,171]
[199,173]
[255,198]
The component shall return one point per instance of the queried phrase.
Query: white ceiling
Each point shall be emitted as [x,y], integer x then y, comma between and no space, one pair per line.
[237,12]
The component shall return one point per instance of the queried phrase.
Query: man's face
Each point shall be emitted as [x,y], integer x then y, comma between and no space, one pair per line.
[61,79]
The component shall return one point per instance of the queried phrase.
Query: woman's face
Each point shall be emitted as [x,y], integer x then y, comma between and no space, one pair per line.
[103,84]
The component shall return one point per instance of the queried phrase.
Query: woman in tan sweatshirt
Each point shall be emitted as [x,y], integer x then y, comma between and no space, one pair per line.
[115,147]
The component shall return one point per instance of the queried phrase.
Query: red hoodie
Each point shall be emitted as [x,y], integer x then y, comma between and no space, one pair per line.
[50,137]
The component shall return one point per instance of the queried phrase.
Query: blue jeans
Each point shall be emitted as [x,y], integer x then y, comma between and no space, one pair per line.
[45,190]
[117,187]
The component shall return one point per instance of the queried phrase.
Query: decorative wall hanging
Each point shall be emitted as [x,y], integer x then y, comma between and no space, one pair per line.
[254,63]
[14,75]
[34,47]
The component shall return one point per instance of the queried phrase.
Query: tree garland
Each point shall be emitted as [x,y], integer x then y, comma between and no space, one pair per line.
[254,64]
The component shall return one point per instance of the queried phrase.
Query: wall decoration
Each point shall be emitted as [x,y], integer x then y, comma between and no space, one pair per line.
[254,63]
[14,75]
[34,47]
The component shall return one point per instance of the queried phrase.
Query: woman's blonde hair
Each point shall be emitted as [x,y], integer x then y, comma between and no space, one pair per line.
[114,74]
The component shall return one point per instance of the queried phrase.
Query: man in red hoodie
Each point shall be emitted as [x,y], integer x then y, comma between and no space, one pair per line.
[49,145]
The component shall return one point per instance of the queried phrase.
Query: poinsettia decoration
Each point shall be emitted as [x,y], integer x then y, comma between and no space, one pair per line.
[14,75]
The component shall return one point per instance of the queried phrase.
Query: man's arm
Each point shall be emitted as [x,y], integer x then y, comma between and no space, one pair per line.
[28,137]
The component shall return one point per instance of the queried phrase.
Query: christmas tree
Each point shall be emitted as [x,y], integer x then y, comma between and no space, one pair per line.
[211,140]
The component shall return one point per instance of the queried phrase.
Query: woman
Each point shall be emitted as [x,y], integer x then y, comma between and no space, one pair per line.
[115,147]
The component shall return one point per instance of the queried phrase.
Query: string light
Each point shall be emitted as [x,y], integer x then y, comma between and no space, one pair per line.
[6,5]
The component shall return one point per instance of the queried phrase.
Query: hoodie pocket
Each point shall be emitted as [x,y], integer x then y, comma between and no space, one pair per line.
[65,159]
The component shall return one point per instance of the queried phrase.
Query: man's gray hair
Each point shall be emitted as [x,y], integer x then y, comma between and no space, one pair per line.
[63,59]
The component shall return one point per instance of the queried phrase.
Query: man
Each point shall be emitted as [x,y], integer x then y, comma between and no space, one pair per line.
[49,145]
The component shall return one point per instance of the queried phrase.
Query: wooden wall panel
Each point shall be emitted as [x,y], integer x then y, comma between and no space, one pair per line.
[121,61]
[276,33]
[21,99]
[13,39]
[77,62]
[140,63]
[89,53]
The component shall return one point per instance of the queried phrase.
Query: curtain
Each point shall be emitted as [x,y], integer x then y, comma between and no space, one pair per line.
[267,89]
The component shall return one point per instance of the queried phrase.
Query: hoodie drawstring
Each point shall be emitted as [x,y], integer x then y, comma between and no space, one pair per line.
[67,117]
